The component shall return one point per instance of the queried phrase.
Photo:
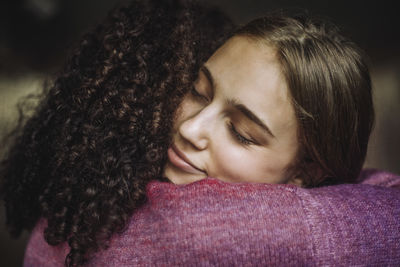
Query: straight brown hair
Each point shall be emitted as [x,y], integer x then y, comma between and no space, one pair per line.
[330,87]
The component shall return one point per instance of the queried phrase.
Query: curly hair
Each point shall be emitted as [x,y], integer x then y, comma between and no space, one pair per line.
[102,129]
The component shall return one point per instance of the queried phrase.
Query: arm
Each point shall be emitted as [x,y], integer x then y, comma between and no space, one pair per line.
[210,222]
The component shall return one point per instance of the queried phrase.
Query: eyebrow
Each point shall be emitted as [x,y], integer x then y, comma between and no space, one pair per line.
[237,105]
[209,76]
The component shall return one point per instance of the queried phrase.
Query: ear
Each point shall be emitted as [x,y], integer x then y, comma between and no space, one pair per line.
[296,181]
[310,172]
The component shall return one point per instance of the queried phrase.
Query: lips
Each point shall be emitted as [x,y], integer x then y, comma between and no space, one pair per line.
[179,160]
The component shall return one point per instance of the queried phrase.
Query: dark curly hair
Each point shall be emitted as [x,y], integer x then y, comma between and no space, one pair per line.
[101,131]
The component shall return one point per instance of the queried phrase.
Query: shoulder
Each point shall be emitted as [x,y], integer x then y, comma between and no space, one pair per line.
[210,222]
[39,253]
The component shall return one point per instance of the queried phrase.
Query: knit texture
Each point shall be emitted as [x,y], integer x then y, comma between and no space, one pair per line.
[213,223]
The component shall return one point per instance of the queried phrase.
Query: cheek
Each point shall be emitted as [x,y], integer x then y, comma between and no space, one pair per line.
[185,110]
[233,163]
[241,165]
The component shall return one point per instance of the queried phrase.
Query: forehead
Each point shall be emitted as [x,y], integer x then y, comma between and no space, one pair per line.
[249,71]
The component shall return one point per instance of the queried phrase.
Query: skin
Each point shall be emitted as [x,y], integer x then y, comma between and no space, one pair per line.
[213,136]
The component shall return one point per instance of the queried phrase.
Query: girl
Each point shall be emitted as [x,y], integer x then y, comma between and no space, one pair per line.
[284,101]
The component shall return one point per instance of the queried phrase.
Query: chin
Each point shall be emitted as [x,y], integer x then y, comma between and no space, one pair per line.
[177,176]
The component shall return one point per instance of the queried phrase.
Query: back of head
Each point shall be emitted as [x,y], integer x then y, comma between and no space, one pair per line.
[330,87]
[101,133]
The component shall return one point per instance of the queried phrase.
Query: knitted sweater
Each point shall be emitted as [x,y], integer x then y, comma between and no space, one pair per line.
[213,223]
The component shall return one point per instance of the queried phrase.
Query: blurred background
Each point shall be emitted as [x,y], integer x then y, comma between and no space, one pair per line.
[35,36]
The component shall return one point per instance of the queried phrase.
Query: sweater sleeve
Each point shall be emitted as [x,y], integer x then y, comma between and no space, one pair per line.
[379,178]
[354,225]
[212,223]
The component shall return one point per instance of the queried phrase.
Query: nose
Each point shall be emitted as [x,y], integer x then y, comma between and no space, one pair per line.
[196,129]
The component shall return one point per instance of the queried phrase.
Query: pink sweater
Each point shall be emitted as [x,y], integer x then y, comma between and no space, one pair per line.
[212,223]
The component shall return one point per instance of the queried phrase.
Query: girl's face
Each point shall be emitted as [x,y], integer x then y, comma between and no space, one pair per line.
[237,124]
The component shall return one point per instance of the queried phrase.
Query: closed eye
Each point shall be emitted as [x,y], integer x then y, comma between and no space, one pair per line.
[197,95]
[240,138]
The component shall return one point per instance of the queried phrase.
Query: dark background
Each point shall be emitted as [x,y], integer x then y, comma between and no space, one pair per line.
[36,34]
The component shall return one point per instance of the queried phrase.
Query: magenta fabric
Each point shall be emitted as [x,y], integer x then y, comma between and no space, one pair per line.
[213,223]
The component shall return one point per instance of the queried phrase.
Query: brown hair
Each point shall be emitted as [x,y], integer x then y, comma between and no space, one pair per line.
[331,92]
